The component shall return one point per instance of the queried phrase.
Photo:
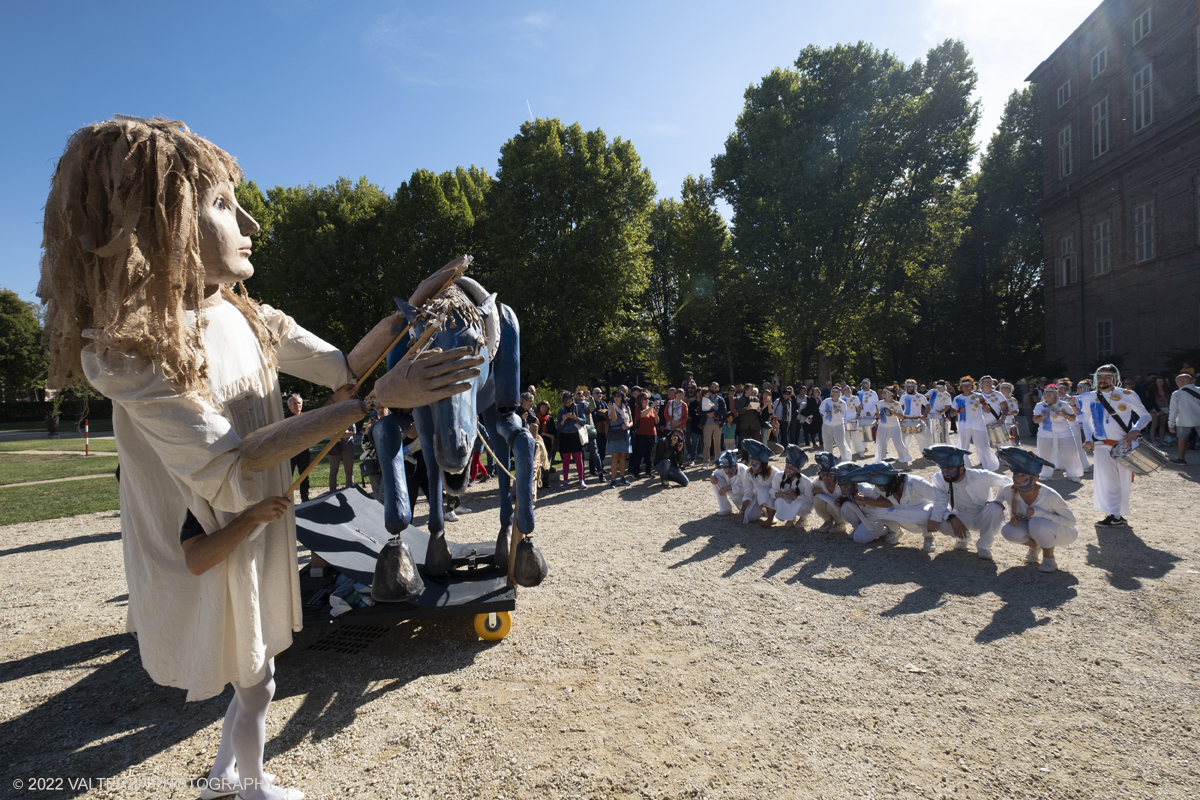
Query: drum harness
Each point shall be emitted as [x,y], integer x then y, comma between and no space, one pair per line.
[1133,418]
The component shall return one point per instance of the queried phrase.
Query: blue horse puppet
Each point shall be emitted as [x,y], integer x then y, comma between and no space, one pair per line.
[447,428]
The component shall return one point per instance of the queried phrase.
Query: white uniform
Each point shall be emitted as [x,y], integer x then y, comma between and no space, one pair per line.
[1076,428]
[824,503]
[973,419]
[833,417]
[1111,482]
[939,428]
[909,512]
[868,414]
[792,508]
[757,489]
[968,499]
[1052,523]
[732,499]
[914,405]
[179,452]
[889,433]
[1055,442]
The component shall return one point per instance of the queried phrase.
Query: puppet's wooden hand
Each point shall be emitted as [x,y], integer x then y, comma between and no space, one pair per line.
[426,378]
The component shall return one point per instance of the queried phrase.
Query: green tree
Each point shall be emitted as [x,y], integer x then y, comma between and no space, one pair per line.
[837,172]
[568,221]
[22,357]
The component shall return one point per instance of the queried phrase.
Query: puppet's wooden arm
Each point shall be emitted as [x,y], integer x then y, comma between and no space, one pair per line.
[275,443]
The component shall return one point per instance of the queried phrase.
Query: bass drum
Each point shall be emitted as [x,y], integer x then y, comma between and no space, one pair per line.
[1140,458]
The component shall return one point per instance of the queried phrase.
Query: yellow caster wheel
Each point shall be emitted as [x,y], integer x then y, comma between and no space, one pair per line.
[493,627]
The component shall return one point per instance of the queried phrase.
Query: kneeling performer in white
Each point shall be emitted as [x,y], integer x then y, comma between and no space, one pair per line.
[828,495]
[966,500]
[904,503]
[757,494]
[727,484]
[1039,517]
[793,492]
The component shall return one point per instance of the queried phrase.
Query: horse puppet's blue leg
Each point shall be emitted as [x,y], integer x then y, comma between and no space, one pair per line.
[511,438]
[437,553]
[388,435]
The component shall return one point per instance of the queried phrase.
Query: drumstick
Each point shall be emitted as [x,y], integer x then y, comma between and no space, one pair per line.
[334,439]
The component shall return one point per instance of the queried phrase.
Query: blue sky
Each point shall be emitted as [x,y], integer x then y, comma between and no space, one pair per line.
[306,91]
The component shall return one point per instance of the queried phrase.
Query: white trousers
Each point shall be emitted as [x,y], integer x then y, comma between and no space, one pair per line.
[828,511]
[838,431]
[985,522]
[1111,483]
[878,522]
[917,442]
[1046,532]
[727,502]
[891,434]
[983,448]
[797,509]
[753,510]
[1077,440]
[1061,451]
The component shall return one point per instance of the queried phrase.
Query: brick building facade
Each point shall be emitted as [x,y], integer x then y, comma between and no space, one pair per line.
[1120,106]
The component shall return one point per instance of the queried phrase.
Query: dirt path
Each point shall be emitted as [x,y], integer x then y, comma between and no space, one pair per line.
[671,654]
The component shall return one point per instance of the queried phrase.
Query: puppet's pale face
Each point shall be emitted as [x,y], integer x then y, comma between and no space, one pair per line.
[225,230]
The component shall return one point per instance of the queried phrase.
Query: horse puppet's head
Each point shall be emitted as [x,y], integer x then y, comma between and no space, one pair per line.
[472,320]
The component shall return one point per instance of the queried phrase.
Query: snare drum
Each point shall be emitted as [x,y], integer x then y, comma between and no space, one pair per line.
[851,425]
[997,434]
[1140,458]
[915,427]
[937,431]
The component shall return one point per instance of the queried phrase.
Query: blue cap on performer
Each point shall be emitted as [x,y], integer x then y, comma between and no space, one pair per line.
[1023,461]
[878,474]
[844,470]
[826,462]
[727,460]
[757,451]
[946,456]
[795,456]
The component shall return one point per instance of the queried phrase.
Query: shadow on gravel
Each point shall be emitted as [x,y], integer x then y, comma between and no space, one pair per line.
[1127,559]
[115,717]
[834,565]
[63,544]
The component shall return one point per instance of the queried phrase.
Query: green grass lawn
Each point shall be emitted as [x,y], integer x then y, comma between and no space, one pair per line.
[64,425]
[108,445]
[52,500]
[16,468]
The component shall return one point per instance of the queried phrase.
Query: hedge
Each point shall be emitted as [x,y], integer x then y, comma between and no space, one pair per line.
[28,411]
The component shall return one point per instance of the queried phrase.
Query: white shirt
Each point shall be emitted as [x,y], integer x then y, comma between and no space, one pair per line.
[1055,425]
[887,414]
[1049,504]
[800,484]
[1185,408]
[868,401]
[179,452]
[994,401]
[1098,424]
[833,411]
[917,492]
[972,413]
[734,482]
[971,492]
[914,405]
[939,400]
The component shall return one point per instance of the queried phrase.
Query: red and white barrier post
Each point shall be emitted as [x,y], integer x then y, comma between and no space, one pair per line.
[86,443]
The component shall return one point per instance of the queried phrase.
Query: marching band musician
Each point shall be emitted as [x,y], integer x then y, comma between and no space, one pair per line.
[830,497]
[966,501]
[1039,517]
[914,406]
[1055,442]
[1012,406]
[833,422]
[1068,395]
[1111,415]
[969,408]
[939,403]
[904,503]
[757,495]
[868,413]
[996,407]
[889,430]
[727,482]
[793,492]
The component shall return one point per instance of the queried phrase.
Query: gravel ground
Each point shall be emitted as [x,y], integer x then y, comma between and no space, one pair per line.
[670,654]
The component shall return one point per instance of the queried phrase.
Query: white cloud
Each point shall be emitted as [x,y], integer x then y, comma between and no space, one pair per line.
[540,20]
[1007,40]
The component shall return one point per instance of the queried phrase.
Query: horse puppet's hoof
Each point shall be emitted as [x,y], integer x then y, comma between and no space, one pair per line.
[529,568]
[437,556]
[500,559]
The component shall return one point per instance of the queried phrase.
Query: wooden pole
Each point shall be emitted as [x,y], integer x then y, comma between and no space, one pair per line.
[416,348]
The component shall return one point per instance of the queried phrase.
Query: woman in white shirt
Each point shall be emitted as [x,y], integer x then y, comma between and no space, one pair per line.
[1039,517]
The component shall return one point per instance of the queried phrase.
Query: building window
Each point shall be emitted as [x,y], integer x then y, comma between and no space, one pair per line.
[1100,249]
[1143,232]
[1104,339]
[1143,97]
[1100,128]
[1099,62]
[1064,93]
[1064,152]
[1066,267]
[1141,26]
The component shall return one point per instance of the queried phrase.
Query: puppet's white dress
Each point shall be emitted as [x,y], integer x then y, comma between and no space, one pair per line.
[180,451]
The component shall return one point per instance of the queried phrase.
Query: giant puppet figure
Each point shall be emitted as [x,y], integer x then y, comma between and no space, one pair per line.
[144,243]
